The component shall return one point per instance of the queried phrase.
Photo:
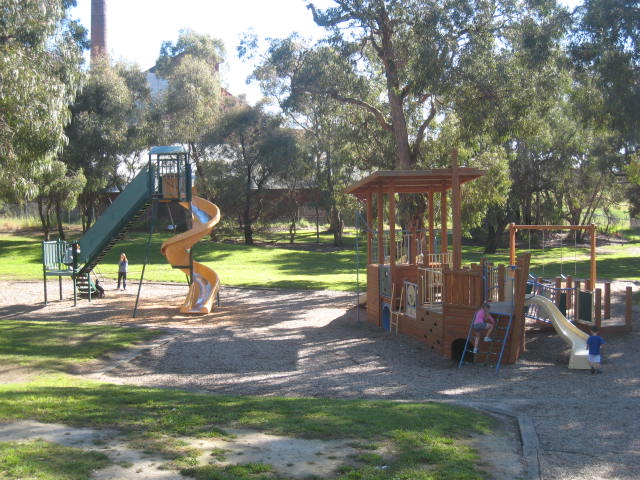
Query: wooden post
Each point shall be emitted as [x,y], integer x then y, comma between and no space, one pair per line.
[512,243]
[558,287]
[456,200]
[569,291]
[392,230]
[432,246]
[369,228]
[501,283]
[598,308]
[588,285]
[593,256]
[607,300]
[518,336]
[443,222]
[629,307]
[380,226]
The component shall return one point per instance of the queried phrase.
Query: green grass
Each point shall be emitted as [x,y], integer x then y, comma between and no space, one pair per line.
[283,267]
[424,436]
[40,460]
[57,345]
[236,264]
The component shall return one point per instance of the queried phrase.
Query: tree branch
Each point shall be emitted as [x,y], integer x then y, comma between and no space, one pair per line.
[423,126]
[354,101]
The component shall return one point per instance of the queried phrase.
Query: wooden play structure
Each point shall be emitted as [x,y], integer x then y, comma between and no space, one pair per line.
[580,301]
[416,285]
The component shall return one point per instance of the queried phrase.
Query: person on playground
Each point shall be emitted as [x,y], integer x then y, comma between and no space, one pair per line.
[594,342]
[99,289]
[123,265]
[482,322]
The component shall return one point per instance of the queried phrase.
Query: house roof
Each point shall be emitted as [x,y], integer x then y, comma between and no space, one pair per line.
[413,181]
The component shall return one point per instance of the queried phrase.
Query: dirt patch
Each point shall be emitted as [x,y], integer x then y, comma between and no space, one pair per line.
[291,457]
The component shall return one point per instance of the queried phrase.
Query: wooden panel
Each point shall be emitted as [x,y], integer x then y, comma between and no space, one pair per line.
[373,292]
[433,328]
[463,287]
[373,295]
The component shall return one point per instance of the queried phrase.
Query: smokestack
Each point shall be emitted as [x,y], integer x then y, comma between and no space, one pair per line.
[99,29]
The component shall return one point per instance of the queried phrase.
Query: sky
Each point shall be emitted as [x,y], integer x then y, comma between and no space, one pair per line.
[137,28]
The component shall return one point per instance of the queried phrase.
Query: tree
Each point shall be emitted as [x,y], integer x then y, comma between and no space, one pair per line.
[257,150]
[343,140]
[40,73]
[103,128]
[57,189]
[606,47]
[190,106]
[406,62]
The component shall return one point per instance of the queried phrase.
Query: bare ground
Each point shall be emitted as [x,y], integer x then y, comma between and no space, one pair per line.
[299,343]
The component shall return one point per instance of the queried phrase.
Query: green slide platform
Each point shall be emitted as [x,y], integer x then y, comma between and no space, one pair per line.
[115,221]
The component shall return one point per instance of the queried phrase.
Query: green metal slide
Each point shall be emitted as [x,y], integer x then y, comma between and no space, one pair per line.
[115,221]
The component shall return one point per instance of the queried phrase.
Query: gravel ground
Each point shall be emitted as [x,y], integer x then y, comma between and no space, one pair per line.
[295,343]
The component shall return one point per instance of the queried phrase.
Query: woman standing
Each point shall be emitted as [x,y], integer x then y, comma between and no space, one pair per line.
[123,265]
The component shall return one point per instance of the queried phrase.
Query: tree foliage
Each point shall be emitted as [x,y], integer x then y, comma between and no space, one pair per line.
[406,62]
[106,124]
[606,46]
[257,151]
[57,189]
[40,73]
[189,108]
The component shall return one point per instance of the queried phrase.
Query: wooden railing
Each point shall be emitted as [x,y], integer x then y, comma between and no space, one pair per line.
[430,278]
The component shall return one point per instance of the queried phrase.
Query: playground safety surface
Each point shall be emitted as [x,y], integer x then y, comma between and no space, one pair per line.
[300,343]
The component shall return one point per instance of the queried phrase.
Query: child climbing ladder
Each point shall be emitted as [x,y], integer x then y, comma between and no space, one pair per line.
[482,322]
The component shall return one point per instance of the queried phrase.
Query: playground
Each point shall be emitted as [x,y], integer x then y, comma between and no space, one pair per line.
[314,344]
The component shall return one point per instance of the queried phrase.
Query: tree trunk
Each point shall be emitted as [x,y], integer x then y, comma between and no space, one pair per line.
[292,231]
[247,224]
[494,237]
[337,226]
[248,234]
[398,118]
[44,219]
[59,221]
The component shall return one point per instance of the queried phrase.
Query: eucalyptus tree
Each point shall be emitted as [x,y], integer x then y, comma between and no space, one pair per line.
[103,128]
[57,189]
[257,151]
[405,62]
[343,140]
[190,105]
[40,73]
[606,45]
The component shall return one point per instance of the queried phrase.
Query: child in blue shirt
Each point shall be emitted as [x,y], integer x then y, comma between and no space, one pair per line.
[593,344]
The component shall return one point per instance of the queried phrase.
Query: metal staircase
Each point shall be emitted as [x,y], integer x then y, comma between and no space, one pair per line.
[106,248]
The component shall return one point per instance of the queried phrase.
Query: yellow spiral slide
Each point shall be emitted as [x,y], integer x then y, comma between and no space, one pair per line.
[205,283]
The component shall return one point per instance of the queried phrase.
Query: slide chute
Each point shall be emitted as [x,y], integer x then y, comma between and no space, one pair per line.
[575,338]
[205,283]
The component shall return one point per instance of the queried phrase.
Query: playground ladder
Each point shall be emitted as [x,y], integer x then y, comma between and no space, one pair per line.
[495,350]
[397,308]
[85,286]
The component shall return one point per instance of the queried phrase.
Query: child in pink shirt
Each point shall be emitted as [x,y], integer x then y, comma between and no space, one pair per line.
[482,321]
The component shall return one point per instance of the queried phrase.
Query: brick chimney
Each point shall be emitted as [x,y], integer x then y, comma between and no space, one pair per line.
[99,29]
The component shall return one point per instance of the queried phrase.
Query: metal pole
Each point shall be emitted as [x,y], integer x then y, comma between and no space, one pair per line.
[154,214]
